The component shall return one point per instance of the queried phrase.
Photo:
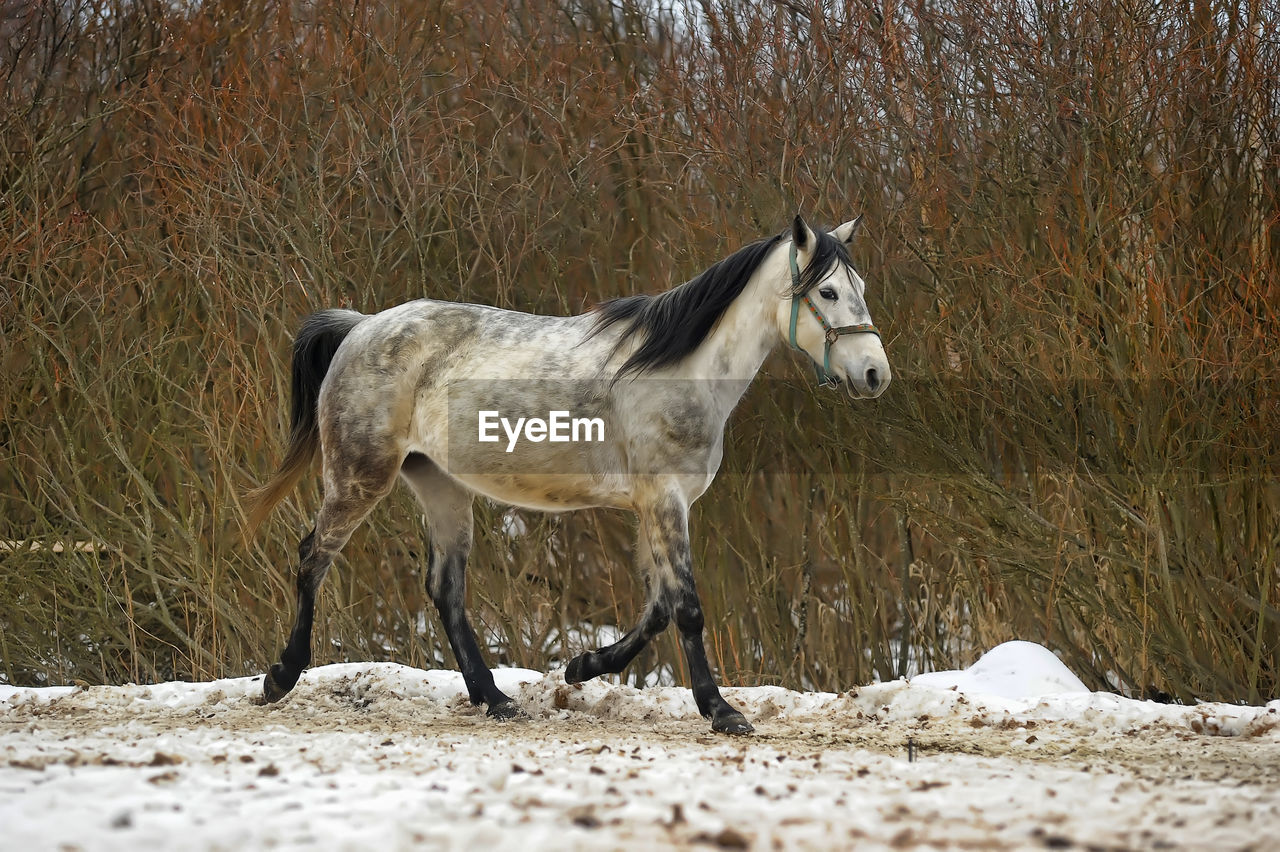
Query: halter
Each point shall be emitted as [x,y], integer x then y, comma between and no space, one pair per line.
[830,333]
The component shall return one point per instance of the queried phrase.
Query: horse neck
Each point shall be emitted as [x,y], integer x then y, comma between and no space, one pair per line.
[736,348]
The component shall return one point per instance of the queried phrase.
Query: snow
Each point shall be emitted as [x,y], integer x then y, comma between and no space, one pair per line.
[1012,670]
[1010,753]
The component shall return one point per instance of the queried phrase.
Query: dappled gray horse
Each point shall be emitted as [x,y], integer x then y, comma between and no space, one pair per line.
[410,391]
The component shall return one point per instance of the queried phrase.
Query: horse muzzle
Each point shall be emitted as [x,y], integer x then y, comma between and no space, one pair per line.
[867,383]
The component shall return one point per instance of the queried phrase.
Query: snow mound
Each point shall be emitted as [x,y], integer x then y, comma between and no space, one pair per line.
[1013,670]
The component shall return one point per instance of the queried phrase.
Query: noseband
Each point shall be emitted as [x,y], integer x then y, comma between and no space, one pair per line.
[830,333]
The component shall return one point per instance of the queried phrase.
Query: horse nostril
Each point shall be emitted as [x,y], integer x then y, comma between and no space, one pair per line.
[873,378]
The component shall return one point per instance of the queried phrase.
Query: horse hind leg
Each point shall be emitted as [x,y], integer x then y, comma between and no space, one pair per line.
[283,676]
[446,505]
[350,495]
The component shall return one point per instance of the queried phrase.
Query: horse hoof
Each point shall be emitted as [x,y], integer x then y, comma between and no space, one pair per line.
[573,673]
[272,690]
[506,710]
[732,723]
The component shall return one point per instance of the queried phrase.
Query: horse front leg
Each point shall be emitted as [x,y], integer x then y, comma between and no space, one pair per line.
[612,659]
[668,530]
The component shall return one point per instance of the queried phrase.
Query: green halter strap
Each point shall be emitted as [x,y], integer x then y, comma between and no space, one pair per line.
[830,333]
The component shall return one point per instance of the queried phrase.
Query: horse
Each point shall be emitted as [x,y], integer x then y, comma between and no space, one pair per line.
[407,394]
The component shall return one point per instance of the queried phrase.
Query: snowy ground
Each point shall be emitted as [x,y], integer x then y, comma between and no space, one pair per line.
[379,756]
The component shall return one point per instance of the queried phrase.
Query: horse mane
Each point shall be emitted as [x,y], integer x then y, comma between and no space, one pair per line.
[675,323]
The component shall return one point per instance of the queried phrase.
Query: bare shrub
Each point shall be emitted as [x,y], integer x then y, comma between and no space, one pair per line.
[1071,242]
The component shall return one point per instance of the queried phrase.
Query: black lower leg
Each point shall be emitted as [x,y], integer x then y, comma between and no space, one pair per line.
[297,651]
[688,611]
[448,593]
[612,659]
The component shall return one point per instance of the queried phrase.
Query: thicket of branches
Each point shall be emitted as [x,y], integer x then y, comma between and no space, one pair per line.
[1071,241]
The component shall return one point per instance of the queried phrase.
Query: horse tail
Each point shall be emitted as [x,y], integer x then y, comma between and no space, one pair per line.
[313,349]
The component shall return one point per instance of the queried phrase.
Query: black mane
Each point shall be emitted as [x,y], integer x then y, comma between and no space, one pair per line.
[675,323]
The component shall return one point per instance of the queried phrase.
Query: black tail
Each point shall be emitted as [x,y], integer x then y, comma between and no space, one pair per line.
[318,339]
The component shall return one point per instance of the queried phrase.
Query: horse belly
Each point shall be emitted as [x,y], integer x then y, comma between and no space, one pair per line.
[551,492]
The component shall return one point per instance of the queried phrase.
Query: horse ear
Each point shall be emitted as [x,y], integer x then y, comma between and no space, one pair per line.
[802,235]
[846,232]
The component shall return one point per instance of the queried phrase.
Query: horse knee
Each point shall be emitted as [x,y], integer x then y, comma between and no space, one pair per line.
[688,612]
[658,619]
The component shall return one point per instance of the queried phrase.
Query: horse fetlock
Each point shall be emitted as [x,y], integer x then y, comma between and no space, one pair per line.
[294,658]
[481,688]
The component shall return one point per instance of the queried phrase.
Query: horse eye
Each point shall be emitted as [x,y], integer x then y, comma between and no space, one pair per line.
[828,294]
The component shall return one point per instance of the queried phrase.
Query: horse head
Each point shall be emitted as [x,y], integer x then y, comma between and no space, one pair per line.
[825,312]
